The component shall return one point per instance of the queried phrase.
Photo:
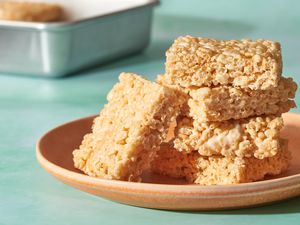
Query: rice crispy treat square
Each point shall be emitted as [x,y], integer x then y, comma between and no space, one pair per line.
[256,137]
[203,62]
[30,11]
[225,102]
[218,170]
[129,129]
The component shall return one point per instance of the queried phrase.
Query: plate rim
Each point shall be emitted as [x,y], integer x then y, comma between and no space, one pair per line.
[189,189]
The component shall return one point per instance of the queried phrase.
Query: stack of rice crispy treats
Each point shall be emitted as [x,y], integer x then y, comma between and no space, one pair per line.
[213,118]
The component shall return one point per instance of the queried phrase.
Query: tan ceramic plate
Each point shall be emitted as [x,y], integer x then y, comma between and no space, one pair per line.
[54,152]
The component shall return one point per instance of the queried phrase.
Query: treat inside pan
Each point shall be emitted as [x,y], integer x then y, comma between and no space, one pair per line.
[86,9]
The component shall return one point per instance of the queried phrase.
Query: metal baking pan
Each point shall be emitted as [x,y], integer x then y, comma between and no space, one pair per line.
[93,32]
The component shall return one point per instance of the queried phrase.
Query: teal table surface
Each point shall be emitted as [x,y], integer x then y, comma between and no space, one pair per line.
[30,106]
